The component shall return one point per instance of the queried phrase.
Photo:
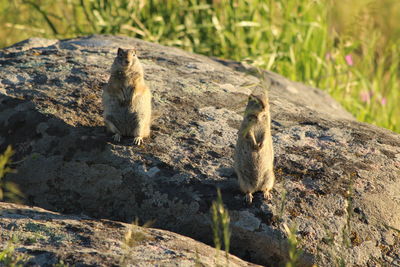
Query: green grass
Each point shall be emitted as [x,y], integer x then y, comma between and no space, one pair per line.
[8,190]
[9,257]
[304,40]
[220,226]
[294,252]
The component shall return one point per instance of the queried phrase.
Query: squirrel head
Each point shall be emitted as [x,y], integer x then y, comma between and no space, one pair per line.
[126,57]
[257,108]
[257,103]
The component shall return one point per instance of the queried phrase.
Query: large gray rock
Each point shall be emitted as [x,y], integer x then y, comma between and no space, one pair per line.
[337,179]
[45,238]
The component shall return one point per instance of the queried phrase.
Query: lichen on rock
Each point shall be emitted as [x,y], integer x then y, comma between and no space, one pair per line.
[337,179]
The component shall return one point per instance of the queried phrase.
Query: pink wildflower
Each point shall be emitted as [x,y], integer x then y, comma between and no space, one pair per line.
[349,60]
[366,96]
[383,101]
[328,56]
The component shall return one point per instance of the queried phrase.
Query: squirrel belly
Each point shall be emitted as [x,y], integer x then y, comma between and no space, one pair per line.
[254,155]
[127,99]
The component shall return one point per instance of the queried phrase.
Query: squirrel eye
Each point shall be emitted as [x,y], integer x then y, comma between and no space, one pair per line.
[132,52]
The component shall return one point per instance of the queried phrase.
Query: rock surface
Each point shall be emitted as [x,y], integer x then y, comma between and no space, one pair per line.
[46,238]
[338,180]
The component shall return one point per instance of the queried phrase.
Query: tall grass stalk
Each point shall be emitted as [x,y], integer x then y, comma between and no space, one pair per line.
[220,226]
[294,252]
[8,190]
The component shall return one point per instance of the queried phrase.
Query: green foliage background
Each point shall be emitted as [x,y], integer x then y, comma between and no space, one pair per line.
[349,48]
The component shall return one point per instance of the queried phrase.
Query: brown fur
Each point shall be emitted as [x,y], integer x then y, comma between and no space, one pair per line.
[127,99]
[254,154]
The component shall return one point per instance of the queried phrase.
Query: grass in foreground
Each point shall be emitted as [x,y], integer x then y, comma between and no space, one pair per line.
[8,257]
[8,190]
[221,229]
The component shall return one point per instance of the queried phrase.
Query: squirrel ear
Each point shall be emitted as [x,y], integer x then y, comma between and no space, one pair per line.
[120,51]
[259,100]
[253,97]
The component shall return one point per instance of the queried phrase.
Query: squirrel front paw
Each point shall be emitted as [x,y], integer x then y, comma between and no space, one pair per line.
[248,198]
[260,145]
[138,141]
[267,195]
[117,137]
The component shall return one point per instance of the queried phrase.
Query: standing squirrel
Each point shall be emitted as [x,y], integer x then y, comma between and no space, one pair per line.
[127,99]
[254,154]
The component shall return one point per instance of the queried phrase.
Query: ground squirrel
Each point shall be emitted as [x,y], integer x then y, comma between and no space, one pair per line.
[254,155]
[127,99]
